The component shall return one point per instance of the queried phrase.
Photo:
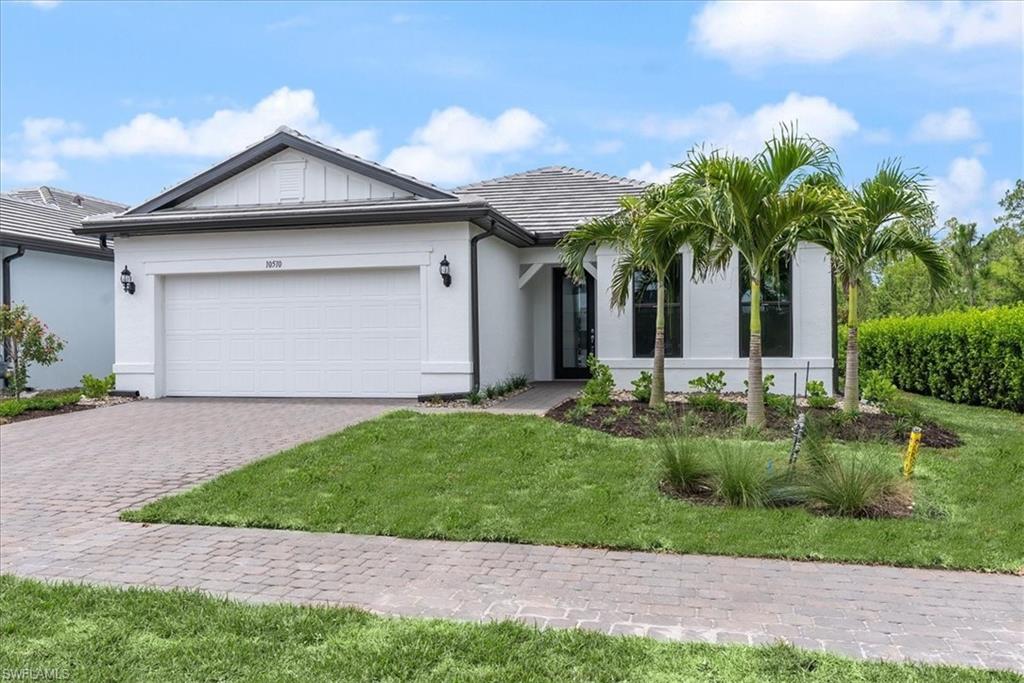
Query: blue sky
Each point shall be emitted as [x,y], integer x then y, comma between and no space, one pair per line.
[121,100]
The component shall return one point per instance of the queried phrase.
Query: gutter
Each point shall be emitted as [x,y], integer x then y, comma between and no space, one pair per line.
[835,334]
[7,298]
[474,301]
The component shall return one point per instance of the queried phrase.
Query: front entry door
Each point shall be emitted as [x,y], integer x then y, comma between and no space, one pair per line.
[574,325]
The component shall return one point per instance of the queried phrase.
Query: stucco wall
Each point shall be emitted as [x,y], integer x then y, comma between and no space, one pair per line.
[506,344]
[74,296]
[711,327]
[445,350]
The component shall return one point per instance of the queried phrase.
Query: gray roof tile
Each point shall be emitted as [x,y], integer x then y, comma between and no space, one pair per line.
[555,198]
[48,214]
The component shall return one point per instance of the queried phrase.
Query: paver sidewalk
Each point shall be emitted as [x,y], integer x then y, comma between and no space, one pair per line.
[64,479]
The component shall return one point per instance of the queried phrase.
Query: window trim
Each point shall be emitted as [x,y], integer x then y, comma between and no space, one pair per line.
[739,307]
[632,313]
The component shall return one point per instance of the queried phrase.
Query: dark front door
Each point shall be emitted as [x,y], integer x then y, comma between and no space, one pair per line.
[574,325]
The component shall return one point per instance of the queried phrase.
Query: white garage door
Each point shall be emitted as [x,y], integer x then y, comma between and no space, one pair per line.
[297,333]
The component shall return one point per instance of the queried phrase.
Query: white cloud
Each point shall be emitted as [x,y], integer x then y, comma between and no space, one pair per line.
[225,132]
[30,170]
[454,142]
[947,126]
[607,146]
[720,125]
[752,33]
[649,172]
[44,4]
[965,192]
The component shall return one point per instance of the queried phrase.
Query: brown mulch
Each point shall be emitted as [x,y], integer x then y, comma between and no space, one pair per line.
[637,420]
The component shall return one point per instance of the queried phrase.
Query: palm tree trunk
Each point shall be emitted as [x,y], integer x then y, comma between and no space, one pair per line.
[755,381]
[658,376]
[851,388]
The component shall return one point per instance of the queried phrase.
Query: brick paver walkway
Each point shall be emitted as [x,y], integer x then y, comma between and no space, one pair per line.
[63,480]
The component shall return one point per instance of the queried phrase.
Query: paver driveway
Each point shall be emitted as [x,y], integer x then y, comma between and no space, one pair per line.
[63,480]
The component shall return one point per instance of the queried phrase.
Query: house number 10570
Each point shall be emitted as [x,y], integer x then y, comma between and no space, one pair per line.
[275,263]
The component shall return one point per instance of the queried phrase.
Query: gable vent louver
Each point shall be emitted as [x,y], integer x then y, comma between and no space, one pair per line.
[291,181]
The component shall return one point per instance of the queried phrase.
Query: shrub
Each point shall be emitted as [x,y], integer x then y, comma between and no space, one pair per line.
[94,387]
[16,406]
[710,383]
[855,486]
[974,356]
[712,402]
[598,389]
[579,412]
[516,382]
[768,381]
[30,342]
[475,398]
[745,480]
[642,387]
[817,397]
[685,468]
[780,403]
[877,388]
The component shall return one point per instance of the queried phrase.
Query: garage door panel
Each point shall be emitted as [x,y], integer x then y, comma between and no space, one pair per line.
[310,333]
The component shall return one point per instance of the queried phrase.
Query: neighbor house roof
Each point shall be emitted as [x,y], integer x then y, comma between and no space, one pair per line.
[44,218]
[554,199]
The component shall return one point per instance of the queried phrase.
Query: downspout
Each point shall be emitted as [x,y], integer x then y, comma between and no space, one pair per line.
[7,299]
[835,334]
[474,303]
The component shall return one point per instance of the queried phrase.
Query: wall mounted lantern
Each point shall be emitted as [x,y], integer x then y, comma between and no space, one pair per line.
[126,281]
[446,271]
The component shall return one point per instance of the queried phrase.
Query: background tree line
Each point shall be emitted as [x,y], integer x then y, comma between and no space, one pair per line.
[988,268]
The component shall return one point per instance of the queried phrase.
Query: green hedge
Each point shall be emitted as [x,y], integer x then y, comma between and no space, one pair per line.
[974,357]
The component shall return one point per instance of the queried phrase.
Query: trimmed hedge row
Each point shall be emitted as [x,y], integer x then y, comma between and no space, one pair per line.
[974,357]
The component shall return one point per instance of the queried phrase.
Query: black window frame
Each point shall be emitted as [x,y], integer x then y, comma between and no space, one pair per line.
[668,311]
[743,288]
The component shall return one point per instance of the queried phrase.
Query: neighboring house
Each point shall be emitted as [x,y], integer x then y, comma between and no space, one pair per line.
[65,279]
[294,269]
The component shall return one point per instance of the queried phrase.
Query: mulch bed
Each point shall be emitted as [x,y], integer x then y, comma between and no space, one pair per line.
[637,420]
[33,414]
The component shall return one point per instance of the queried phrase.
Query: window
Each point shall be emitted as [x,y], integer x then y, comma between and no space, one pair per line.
[645,310]
[776,312]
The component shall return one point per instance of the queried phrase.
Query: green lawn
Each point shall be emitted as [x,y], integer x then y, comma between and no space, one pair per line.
[532,480]
[105,634]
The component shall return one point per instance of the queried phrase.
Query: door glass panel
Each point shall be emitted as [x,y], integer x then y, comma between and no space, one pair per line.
[575,331]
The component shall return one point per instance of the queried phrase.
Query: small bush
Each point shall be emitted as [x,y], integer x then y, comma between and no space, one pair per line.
[681,458]
[642,387]
[598,389]
[768,381]
[877,388]
[817,397]
[821,402]
[16,406]
[780,403]
[94,387]
[621,412]
[475,398]
[854,486]
[516,382]
[712,402]
[579,412]
[710,383]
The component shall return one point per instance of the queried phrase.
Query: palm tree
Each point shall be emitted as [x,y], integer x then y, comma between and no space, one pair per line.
[966,252]
[761,205]
[878,226]
[647,232]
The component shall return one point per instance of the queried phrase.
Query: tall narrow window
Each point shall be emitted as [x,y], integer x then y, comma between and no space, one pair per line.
[645,308]
[776,311]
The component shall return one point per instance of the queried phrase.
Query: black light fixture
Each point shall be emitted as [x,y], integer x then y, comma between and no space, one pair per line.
[126,281]
[446,271]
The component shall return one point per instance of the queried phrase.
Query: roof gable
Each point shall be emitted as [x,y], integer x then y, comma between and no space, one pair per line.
[291,178]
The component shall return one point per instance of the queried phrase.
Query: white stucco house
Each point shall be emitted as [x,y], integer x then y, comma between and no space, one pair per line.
[63,278]
[295,269]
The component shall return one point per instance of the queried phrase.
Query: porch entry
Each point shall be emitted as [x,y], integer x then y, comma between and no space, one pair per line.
[573,325]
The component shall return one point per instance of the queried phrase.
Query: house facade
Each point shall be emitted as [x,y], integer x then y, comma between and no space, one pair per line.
[64,279]
[294,269]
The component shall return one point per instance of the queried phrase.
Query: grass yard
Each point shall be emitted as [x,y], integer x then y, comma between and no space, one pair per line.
[533,480]
[79,633]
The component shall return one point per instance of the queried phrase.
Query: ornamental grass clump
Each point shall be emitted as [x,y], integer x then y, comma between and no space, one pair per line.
[685,466]
[744,480]
[855,486]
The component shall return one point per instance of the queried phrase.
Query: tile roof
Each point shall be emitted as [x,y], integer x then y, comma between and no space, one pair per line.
[555,198]
[45,216]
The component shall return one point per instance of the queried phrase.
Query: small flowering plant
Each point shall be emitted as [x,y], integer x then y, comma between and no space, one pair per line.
[26,340]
